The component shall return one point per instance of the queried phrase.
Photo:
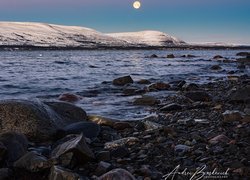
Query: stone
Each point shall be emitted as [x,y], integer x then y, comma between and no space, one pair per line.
[119,152]
[245,60]
[37,120]
[171,107]
[121,142]
[73,148]
[60,173]
[241,66]
[33,162]
[144,81]
[103,156]
[121,81]
[241,95]
[158,86]
[117,174]
[88,129]
[243,54]
[190,87]
[230,116]
[219,139]
[3,151]
[215,67]
[68,97]
[16,146]
[121,125]
[170,56]
[150,125]
[102,168]
[146,101]
[198,96]
[217,57]
[6,174]
[102,120]
[180,148]
[153,56]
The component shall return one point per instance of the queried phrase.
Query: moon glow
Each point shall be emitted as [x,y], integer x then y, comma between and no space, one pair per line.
[137,4]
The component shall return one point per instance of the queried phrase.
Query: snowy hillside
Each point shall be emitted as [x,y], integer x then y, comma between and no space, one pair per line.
[148,38]
[49,35]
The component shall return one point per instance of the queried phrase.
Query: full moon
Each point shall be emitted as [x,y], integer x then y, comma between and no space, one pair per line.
[137,5]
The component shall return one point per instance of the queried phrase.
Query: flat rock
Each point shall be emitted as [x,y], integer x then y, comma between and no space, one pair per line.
[230,116]
[241,95]
[88,129]
[60,173]
[121,142]
[146,101]
[37,120]
[158,86]
[198,96]
[117,174]
[121,81]
[76,147]
[16,146]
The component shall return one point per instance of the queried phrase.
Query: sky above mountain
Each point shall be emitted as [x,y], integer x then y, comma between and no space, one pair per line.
[191,20]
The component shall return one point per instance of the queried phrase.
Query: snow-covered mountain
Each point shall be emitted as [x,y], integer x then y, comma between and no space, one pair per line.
[50,35]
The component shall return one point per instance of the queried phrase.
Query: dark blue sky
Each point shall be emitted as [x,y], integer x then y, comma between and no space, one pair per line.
[190,20]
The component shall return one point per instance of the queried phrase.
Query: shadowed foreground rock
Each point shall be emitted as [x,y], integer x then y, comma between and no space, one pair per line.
[37,120]
[117,174]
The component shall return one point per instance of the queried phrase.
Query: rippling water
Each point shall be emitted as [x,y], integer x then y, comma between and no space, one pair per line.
[47,74]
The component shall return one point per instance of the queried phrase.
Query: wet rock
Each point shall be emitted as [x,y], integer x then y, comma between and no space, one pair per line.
[35,119]
[150,125]
[102,168]
[171,107]
[117,174]
[121,125]
[241,95]
[217,57]
[74,148]
[68,97]
[144,81]
[121,142]
[119,152]
[245,60]
[241,66]
[102,120]
[146,101]
[230,116]
[219,139]
[43,150]
[6,174]
[190,87]
[198,96]
[215,67]
[188,56]
[158,86]
[121,81]
[153,56]
[88,129]
[243,54]
[60,173]
[129,91]
[16,146]
[33,162]
[103,156]
[170,56]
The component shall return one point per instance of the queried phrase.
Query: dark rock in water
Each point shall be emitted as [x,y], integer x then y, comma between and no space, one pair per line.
[33,162]
[130,91]
[158,86]
[121,125]
[74,148]
[117,174]
[153,56]
[16,145]
[241,66]
[69,112]
[146,101]
[190,87]
[6,174]
[102,120]
[119,152]
[218,57]
[188,56]
[241,95]
[89,129]
[215,67]
[245,60]
[198,96]
[121,81]
[60,173]
[171,107]
[102,168]
[36,120]
[243,54]
[144,81]
[170,56]
[68,97]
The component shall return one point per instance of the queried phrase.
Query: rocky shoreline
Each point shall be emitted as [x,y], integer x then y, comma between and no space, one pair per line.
[198,126]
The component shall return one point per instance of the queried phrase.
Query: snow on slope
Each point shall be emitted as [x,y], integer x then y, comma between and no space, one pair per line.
[148,38]
[50,35]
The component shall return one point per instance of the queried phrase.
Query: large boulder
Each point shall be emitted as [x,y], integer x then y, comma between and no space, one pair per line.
[121,81]
[37,120]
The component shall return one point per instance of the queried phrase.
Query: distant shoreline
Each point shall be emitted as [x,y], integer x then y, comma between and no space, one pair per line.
[52,48]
